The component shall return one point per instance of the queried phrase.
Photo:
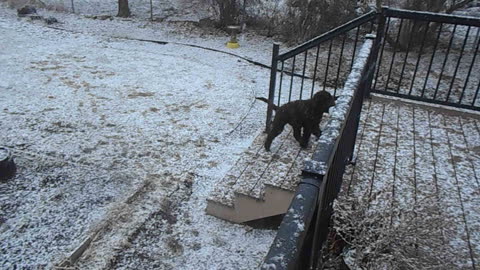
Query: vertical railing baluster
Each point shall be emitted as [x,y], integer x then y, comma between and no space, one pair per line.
[458,63]
[328,64]
[339,64]
[431,59]
[477,36]
[470,70]
[419,57]
[445,62]
[476,94]
[355,47]
[383,40]
[315,72]
[303,74]
[406,55]
[281,83]
[394,53]
[271,91]
[291,79]
[372,60]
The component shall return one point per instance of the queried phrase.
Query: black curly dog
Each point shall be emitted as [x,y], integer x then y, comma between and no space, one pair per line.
[305,114]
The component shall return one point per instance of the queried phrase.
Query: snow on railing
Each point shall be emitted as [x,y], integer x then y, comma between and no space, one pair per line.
[300,237]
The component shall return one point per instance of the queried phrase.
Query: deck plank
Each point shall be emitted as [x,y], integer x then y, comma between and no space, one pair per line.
[349,170]
[223,192]
[294,173]
[405,186]
[449,196]
[278,166]
[426,182]
[253,174]
[467,183]
[363,171]
[384,171]
[472,140]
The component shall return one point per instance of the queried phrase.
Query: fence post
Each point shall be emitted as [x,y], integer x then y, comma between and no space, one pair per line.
[151,10]
[73,7]
[271,91]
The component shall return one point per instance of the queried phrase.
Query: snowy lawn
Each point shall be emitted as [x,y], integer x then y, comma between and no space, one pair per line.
[121,141]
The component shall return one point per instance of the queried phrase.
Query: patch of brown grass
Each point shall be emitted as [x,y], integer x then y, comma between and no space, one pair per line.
[140,94]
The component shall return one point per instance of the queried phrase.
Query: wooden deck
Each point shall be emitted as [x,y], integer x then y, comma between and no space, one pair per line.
[261,184]
[408,156]
[418,157]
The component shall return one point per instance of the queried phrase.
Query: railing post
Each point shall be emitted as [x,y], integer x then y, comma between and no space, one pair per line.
[372,65]
[289,246]
[271,91]
[365,85]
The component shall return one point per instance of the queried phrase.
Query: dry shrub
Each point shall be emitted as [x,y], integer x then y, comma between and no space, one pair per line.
[21,3]
[265,15]
[226,12]
[294,20]
[307,19]
[58,6]
[55,5]
[374,236]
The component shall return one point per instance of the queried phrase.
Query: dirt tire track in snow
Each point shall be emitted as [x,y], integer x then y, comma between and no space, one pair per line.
[126,220]
[164,219]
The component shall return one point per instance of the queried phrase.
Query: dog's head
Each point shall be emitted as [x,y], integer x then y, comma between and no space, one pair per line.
[323,100]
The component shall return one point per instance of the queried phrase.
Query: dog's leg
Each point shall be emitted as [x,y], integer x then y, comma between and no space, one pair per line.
[316,128]
[316,131]
[307,132]
[277,128]
[297,133]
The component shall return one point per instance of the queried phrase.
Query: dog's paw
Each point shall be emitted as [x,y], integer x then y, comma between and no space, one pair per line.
[267,147]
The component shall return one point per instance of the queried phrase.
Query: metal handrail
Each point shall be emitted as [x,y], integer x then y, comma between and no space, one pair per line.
[444,91]
[328,35]
[430,16]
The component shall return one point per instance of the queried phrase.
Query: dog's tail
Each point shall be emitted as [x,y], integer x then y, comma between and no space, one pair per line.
[274,107]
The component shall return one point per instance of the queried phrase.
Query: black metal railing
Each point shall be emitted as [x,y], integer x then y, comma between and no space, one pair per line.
[322,63]
[430,57]
[415,55]
[305,225]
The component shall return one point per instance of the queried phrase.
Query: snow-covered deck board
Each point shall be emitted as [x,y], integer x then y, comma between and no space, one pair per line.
[260,184]
[409,156]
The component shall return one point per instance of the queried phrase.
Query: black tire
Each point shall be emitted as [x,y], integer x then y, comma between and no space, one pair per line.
[7,164]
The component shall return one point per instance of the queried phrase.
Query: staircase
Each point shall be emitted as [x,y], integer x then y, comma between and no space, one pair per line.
[261,184]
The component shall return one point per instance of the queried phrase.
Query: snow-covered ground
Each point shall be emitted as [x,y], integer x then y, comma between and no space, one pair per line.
[122,140]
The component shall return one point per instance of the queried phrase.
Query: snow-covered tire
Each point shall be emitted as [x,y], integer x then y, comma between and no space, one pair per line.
[7,165]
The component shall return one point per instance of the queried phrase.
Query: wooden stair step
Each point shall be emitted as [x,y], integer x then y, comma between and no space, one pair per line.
[260,184]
